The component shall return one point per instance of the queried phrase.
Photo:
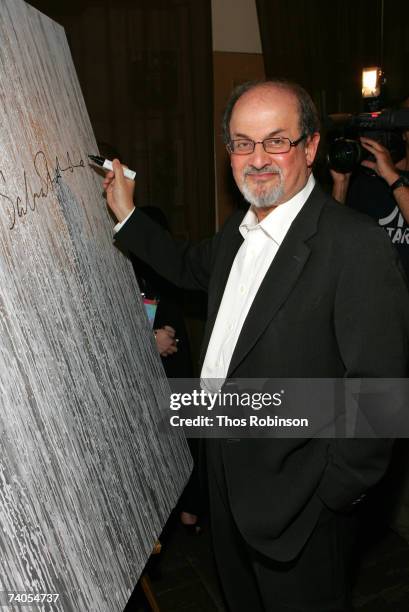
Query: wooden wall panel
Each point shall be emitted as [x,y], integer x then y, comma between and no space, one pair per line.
[324,46]
[230,69]
[146,72]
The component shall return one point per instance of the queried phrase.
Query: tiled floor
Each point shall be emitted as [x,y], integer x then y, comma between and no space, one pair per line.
[184,579]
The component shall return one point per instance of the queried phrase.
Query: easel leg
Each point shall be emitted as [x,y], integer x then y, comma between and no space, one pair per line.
[148,592]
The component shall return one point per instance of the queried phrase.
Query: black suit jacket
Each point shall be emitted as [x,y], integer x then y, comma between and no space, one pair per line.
[332,304]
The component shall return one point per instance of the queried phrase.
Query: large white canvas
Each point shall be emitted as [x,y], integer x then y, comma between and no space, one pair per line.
[87,477]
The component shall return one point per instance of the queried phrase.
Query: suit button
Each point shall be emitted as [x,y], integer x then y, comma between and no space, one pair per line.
[359,499]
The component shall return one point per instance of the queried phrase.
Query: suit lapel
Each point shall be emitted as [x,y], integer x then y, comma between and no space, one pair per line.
[280,277]
[226,258]
[228,250]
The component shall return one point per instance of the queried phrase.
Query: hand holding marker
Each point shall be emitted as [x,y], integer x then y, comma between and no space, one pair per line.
[107,165]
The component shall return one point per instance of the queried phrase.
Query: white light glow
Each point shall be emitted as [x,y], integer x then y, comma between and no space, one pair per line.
[370,82]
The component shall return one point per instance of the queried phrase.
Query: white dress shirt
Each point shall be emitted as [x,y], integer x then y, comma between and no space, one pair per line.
[253,259]
[118,226]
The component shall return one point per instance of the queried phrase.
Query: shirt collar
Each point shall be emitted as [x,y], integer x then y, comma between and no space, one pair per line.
[277,223]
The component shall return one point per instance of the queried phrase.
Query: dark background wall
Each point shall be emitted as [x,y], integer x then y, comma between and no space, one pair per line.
[145,68]
[325,44]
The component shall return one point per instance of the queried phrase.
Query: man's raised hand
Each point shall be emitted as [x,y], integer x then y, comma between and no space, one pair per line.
[119,191]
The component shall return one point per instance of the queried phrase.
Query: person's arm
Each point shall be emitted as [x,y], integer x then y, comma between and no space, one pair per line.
[184,264]
[401,195]
[385,168]
[340,184]
[372,329]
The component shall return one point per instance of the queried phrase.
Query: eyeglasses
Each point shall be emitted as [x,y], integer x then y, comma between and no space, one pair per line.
[245,146]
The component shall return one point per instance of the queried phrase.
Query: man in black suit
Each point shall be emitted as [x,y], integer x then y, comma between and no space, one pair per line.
[298,287]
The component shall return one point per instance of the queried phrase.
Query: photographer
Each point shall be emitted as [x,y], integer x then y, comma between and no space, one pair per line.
[381,191]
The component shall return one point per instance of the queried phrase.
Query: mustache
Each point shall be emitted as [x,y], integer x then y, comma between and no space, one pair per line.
[270,169]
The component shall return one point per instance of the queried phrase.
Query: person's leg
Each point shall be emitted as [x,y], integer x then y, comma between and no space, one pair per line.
[318,580]
[190,502]
[232,559]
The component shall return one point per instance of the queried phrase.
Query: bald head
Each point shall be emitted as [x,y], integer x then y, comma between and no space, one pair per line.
[307,113]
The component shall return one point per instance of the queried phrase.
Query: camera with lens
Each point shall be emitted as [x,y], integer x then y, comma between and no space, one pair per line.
[345,151]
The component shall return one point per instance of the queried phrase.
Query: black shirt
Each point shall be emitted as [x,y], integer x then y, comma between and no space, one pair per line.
[371,195]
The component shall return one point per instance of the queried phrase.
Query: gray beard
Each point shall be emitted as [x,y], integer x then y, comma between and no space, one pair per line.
[266,198]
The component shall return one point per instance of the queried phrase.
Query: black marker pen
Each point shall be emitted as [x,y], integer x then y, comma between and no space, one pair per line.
[107,164]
